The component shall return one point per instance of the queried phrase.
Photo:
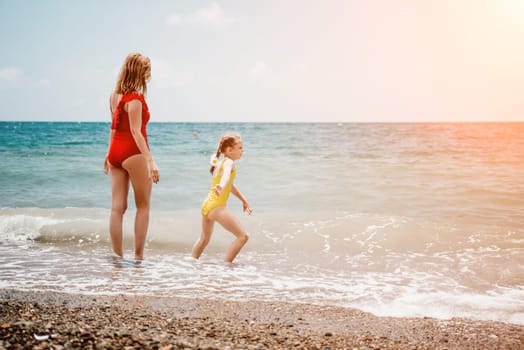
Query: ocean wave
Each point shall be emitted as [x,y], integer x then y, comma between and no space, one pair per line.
[387,265]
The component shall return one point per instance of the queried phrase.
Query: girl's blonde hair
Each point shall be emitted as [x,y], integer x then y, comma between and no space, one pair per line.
[134,74]
[227,140]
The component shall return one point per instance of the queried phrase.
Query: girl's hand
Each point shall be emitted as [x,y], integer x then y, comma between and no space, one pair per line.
[106,166]
[153,170]
[247,208]
[218,190]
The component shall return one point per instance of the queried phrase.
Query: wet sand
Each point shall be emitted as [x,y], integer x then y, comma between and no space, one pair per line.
[45,320]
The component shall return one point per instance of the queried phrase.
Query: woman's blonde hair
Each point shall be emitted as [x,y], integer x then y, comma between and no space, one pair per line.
[227,140]
[134,74]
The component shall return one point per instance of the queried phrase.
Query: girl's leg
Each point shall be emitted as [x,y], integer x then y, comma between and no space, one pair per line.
[138,171]
[207,230]
[119,191]
[230,223]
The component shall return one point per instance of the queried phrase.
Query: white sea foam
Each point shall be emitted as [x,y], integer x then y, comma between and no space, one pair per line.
[21,228]
[280,265]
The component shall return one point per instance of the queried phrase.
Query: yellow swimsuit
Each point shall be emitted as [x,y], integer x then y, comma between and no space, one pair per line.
[212,200]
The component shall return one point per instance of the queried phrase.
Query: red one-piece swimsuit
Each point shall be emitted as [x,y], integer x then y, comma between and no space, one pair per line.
[123,144]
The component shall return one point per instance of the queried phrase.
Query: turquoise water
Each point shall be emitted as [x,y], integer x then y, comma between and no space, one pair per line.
[395,219]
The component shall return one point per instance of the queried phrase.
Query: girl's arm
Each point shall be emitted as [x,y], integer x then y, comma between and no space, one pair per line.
[135,123]
[227,167]
[243,199]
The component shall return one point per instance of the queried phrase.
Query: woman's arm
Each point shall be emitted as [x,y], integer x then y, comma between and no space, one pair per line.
[135,123]
[243,199]
[113,101]
[106,162]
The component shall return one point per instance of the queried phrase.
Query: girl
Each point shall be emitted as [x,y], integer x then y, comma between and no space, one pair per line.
[214,206]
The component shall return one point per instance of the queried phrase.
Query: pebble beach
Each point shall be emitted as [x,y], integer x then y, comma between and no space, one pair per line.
[53,320]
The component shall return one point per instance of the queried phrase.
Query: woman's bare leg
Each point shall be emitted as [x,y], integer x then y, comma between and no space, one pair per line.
[230,223]
[138,171]
[207,230]
[119,191]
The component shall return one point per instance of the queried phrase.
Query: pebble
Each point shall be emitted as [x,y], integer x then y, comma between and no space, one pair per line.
[132,323]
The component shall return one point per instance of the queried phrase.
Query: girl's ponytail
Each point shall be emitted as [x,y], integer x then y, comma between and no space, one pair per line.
[214,159]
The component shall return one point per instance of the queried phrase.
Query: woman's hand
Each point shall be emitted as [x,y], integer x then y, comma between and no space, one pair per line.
[153,171]
[106,166]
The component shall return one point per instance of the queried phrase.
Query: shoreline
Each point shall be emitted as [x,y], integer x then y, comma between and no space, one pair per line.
[46,319]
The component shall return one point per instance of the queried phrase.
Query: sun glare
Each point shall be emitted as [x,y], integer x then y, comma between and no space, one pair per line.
[513,12]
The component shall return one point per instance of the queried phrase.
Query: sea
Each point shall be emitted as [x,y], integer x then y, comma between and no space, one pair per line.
[395,219]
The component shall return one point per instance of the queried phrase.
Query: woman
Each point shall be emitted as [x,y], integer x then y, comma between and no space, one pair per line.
[128,157]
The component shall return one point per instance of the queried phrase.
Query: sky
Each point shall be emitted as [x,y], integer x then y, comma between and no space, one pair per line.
[267,61]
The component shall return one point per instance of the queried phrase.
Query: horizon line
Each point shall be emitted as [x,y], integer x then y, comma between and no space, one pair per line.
[281,122]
